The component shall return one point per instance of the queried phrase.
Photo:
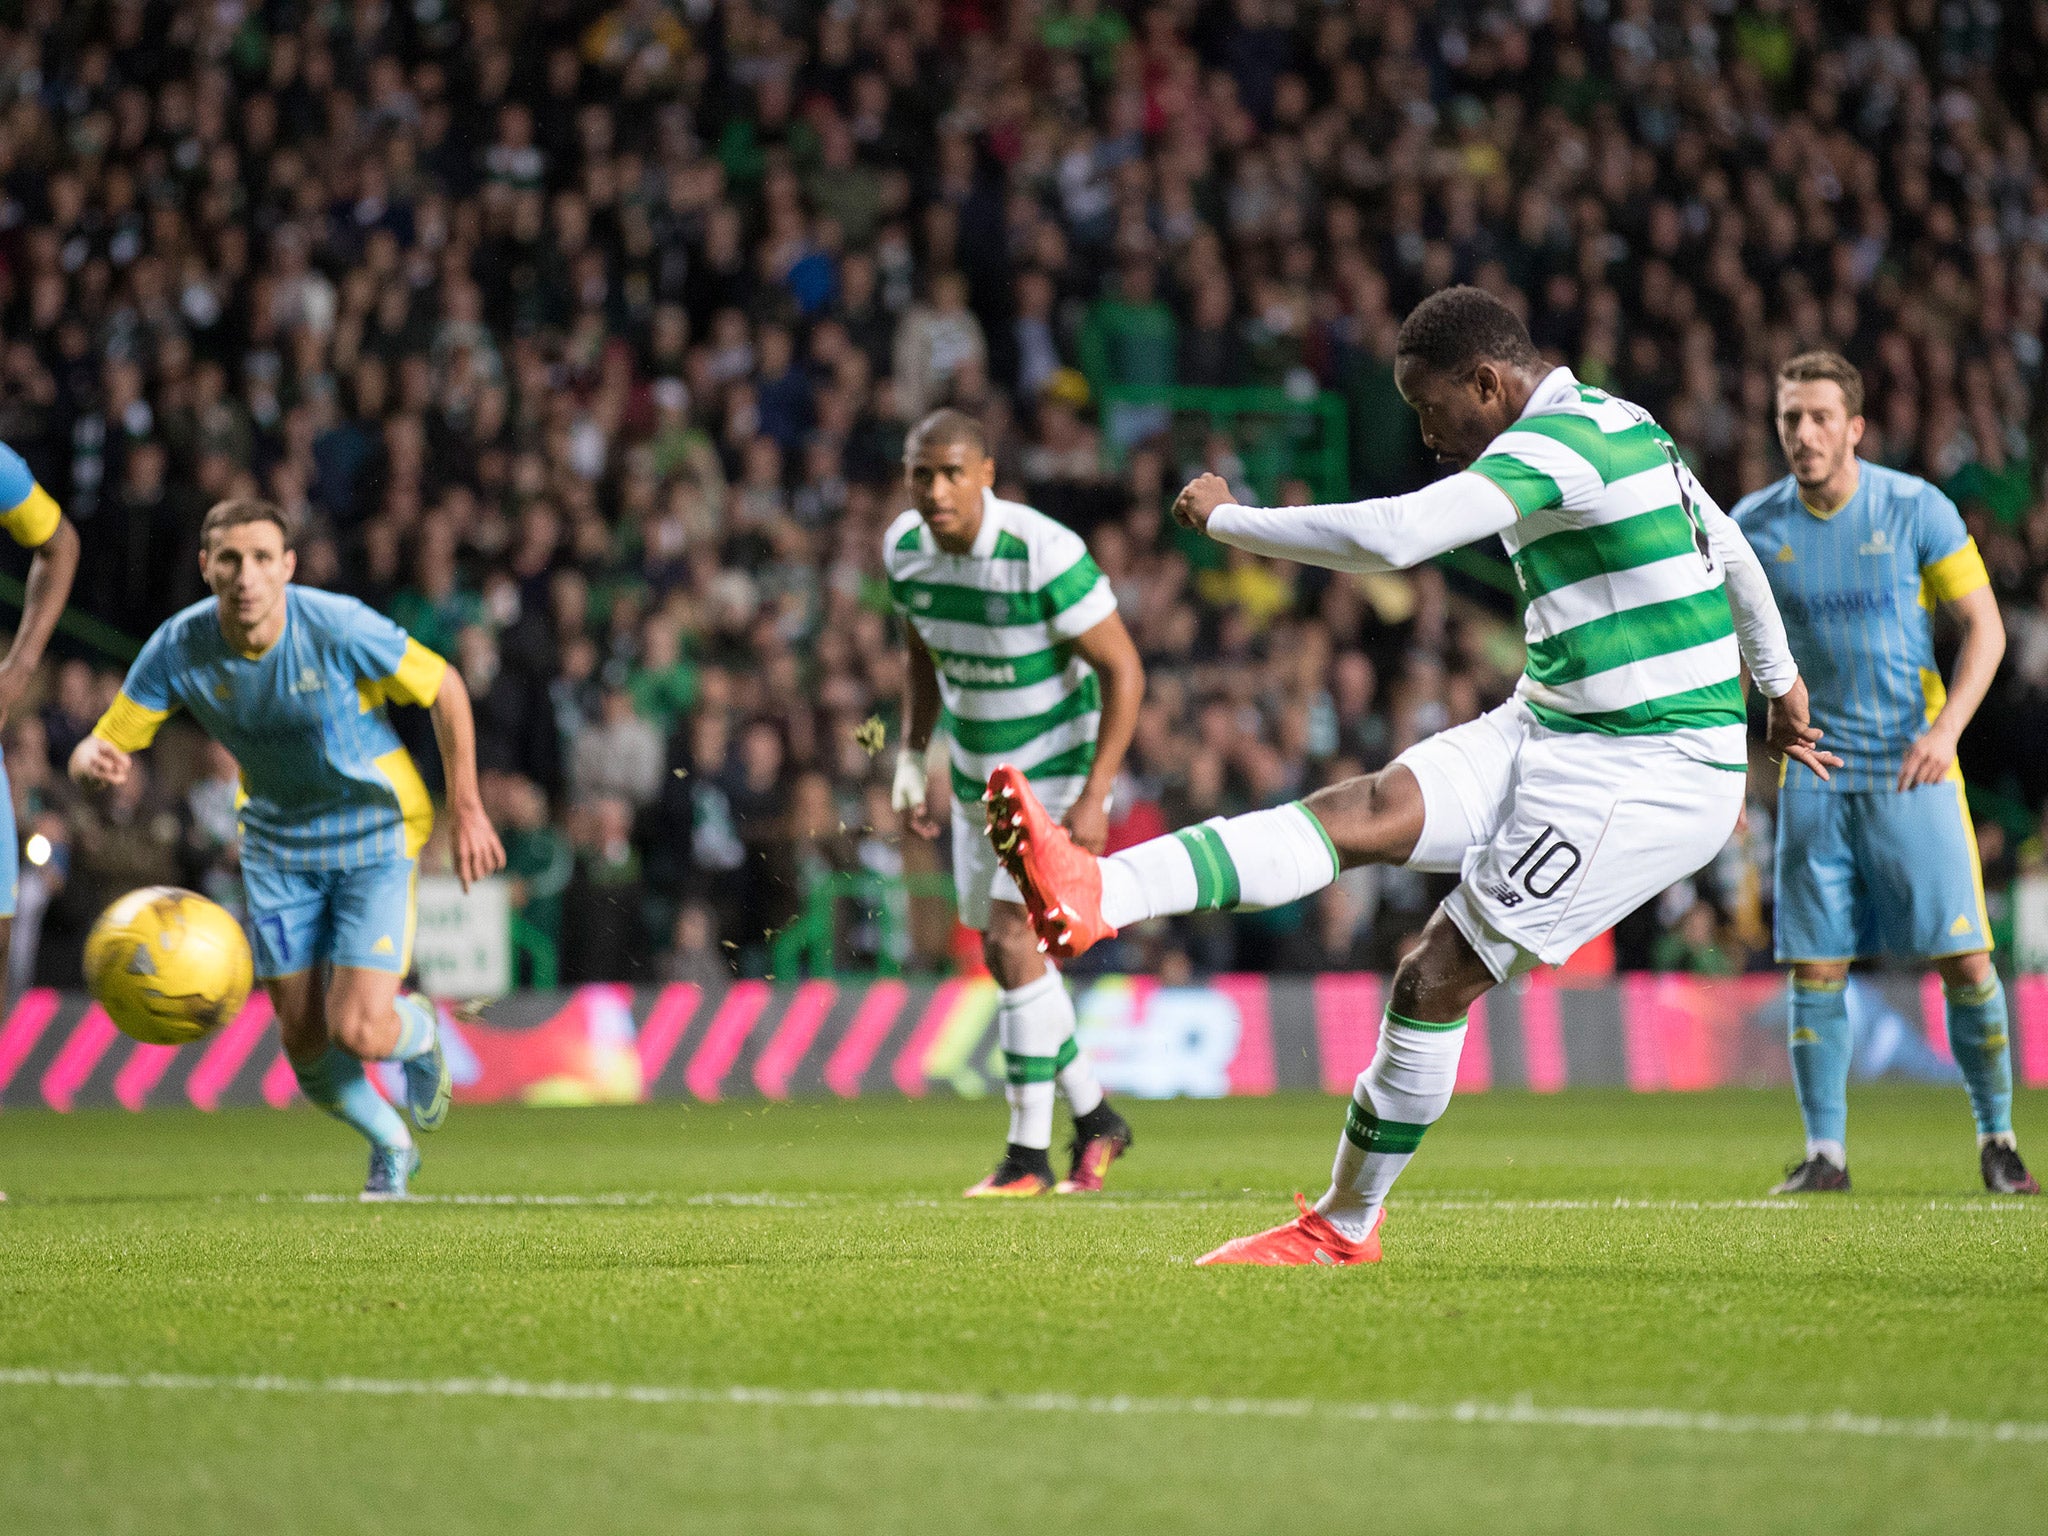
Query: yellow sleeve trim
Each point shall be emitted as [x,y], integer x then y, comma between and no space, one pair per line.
[414,804]
[128,725]
[1954,576]
[31,524]
[417,680]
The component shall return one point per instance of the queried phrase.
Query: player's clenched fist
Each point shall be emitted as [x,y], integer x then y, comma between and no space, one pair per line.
[97,763]
[1202,495]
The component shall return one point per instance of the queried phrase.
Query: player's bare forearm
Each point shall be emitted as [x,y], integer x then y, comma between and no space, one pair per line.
[1109,649]
[1983,647]
[920,693]
[1930,757]
[455,735]
[478,851]
[42,604]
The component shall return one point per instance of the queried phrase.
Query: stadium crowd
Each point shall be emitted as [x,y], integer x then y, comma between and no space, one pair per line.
[583,340]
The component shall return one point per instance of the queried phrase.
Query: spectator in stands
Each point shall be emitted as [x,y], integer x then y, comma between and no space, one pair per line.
[619,754]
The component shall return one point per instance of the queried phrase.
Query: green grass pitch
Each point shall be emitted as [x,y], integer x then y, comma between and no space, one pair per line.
[1591,1251]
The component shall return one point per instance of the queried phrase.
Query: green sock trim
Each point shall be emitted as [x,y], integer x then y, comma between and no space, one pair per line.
[1369,1133]
[1031,1069]
[1801,984]
[1336,864]
[1972,997]
[1403,1020]
[1216,885]
[1063,1058]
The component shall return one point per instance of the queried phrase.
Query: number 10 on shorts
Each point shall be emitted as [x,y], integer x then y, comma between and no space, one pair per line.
[1544,866]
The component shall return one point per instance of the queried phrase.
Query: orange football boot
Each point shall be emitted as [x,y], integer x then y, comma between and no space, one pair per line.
[1093,1155]
[1010,1181]
[1308,1239]
[1061,881]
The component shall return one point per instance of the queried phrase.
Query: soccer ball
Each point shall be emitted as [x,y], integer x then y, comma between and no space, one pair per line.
[168,965]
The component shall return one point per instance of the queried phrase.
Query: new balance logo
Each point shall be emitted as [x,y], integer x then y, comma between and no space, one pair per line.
[1505,894]
[1879,543]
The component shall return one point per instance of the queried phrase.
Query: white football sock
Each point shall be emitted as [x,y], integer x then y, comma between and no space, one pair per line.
[1833,1151]
[1035,1026]
[1399,1096]
[1228,864]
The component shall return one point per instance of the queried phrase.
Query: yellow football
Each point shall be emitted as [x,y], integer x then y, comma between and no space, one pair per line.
[168,965]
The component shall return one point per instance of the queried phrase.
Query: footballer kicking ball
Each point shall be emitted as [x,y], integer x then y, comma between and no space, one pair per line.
[168,965]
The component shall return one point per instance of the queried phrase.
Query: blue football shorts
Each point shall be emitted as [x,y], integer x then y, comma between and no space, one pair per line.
[1878,872]
[357,917]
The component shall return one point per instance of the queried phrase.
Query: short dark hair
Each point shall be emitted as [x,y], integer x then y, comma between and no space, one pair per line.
[1456,329]
[237,510]
[1827,367]
[945,428]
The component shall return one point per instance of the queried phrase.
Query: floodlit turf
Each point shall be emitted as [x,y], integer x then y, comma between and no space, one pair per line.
[1588,1251]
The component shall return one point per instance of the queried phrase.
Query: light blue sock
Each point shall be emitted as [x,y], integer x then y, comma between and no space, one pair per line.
[1821,1044]
[417,1027]
[1979,1039]
[336,1083]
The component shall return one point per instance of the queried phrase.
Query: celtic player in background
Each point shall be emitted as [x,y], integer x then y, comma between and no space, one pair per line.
[1882,858]
[1017,654]
[293,682]
[1615,771]
[34,522]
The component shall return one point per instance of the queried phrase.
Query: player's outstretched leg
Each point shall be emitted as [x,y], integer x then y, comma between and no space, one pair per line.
[1397,1098]
[1236,863]
[1979,1037]
[333,1078]
[335,1081]
[1821,1043]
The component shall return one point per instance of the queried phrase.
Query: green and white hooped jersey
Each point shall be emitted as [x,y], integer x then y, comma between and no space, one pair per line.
[1000,622]
[1628,626]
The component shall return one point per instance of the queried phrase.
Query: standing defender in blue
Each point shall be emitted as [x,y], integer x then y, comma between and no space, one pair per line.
[1882,858]
[293,682]
[34,522]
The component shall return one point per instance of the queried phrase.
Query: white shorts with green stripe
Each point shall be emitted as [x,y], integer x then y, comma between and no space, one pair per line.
[1560,834]
[978,879]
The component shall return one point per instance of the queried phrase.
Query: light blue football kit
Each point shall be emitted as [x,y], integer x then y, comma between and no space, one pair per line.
[30,517]
[333,811]
[1864,868]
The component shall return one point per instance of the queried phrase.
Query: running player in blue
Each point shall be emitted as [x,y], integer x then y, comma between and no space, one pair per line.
[293,682]
[1881,859]
[34,522]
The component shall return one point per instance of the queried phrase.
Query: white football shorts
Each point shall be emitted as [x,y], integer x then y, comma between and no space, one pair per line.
[978,878]
[1558,835]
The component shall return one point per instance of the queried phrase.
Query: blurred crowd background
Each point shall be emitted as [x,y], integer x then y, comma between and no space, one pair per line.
[584,340]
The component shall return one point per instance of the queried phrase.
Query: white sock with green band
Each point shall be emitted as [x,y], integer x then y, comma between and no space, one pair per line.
[1228,864]
[1035,1027]
[1399,1096]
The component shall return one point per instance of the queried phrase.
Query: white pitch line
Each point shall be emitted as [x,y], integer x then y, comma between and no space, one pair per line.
[1188,1201]
[1678,1421]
